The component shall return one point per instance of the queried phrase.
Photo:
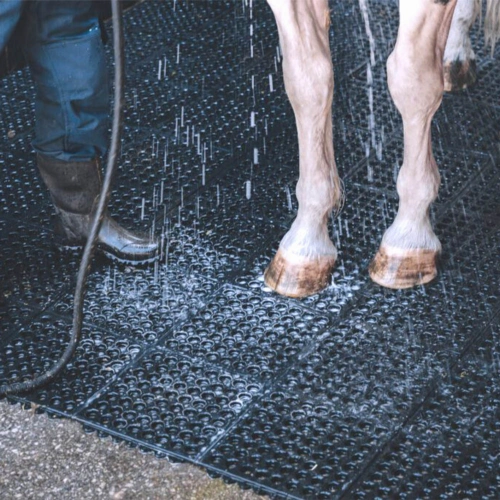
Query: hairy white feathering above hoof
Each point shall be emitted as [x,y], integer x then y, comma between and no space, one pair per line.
[295,276]
[399,268]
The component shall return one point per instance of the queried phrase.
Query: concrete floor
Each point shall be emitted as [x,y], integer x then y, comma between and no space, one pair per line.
[54,459]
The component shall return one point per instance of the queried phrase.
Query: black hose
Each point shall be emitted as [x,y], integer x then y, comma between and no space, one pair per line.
[18,387]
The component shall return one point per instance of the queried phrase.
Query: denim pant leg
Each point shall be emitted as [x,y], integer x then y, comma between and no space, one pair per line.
[10,12]
[68,64]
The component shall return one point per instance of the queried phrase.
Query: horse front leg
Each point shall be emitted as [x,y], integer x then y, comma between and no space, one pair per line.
[409,248]
[304,262]
[459,59]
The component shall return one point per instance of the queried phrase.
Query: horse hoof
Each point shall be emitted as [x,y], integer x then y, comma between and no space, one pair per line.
[296,277]
[459,75]
[403,268]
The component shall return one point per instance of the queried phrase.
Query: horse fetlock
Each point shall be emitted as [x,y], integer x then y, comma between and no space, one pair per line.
[418,189]
[318,199]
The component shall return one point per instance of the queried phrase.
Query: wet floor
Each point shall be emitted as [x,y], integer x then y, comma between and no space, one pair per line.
[356,392]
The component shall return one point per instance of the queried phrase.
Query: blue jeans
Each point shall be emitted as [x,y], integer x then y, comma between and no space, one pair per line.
[64,48]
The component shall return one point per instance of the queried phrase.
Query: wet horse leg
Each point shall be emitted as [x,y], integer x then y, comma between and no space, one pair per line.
[459,58]
[409,248]
[306,256]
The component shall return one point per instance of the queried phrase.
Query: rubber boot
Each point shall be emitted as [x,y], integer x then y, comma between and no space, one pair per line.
[74,187]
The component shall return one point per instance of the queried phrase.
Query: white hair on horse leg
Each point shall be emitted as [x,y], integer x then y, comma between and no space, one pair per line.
[492,23]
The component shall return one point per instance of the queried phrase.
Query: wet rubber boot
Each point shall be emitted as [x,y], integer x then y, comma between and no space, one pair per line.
[74,187]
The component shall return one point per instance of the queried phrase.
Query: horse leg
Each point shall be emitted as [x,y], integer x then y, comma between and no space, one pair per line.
[459,58]
[304,262]
[409,249]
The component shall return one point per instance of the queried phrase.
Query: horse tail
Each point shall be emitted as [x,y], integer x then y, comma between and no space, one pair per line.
[492,23]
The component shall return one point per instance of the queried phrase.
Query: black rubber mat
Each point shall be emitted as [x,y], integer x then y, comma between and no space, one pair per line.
[357,392]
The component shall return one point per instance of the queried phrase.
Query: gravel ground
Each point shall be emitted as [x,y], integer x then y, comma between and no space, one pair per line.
[49,458]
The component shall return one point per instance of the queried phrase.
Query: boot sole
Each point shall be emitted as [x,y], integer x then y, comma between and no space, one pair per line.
[124,260]
[68,247]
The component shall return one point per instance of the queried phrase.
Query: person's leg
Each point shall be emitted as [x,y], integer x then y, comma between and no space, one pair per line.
[68,65]
[10,12]
[67,61]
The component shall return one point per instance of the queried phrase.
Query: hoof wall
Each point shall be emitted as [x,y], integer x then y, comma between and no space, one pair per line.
[403,268]
[296,277]
[459,75]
